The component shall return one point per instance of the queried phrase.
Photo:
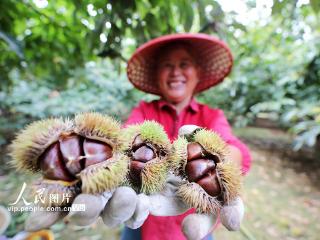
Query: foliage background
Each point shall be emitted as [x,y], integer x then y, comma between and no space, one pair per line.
[59,58]
[63,57]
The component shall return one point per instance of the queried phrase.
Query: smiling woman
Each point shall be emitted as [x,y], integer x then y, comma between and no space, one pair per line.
[176,67]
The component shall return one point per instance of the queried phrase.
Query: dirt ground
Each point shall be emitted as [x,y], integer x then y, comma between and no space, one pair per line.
[282,201]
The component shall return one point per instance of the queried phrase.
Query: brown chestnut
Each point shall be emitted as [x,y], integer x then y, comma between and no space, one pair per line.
[210,184]
[200,168]
[196,169]
[52,165]
[140,156]
[143,154]
[194,151]
[135,172]
[137,142]
[96,151]
[67,157]
[71,150]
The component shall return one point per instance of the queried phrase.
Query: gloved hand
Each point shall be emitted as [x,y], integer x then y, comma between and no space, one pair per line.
[132,209]
[122,206]
[151,190]
[148,148]
[114,207]
[199,225]
[93,204]
[168,202]
[125,206]
[80,158]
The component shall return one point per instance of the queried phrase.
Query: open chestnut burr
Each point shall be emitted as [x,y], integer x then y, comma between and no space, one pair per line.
[201,169]
[73,156]
[148,147]
[209,179]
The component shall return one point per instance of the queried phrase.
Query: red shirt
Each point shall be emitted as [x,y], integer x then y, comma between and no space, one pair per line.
[167,228]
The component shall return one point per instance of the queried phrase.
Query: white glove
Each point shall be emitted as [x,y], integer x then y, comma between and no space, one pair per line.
[115,208]
[133,209]
[231,215]
[121,209]
[122,206]
[94,204]
[198,226]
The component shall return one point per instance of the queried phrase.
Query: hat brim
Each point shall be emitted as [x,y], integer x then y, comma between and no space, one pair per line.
[213,56]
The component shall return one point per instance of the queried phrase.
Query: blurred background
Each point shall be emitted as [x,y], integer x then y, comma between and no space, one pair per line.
[60,57]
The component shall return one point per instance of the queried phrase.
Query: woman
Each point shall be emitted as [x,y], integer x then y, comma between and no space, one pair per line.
[176,67]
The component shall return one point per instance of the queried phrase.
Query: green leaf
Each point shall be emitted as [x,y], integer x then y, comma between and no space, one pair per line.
[13,44]
[239,26]
[277,6]
[315,4]
[143,7]
[187,16]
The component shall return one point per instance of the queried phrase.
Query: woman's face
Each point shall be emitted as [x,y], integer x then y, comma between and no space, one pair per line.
[177,75]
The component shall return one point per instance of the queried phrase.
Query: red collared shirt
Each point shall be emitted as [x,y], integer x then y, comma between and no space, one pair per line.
[167,228]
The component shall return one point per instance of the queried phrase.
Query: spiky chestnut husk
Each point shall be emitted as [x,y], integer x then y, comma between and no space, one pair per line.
[86,149]
[31,142]
[104,175]
[147,146]
[210,181]
[34,142]
[99,127]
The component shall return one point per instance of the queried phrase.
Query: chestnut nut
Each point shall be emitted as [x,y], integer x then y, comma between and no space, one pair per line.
[141,154]
[67,157]
[201,169]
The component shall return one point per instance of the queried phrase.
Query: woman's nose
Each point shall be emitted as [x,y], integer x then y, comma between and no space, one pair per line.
[176,70]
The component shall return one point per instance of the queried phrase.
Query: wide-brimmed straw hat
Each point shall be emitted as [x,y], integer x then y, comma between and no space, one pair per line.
[213,56]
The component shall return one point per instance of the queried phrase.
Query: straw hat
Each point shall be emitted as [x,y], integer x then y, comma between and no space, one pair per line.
[213,56]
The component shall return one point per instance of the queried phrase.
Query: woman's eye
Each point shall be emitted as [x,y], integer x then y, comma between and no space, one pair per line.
[184,64]
[166,65]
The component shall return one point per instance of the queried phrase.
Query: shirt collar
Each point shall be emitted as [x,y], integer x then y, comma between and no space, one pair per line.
[193,105]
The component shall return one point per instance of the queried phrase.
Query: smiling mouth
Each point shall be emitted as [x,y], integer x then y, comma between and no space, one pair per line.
[176,84]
